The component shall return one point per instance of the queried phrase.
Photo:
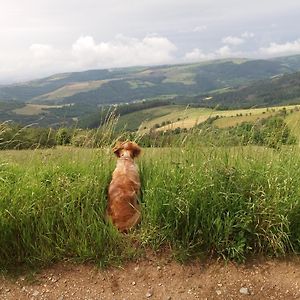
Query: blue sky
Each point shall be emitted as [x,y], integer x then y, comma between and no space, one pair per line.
[42,37]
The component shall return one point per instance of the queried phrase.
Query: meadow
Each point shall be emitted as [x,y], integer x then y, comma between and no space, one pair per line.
[170,117]
[228,202]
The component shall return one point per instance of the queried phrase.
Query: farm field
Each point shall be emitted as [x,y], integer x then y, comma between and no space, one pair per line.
[34,109]
[69,90]
[173,116]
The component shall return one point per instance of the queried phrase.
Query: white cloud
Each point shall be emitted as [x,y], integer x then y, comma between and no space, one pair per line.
[232,40]
[281,49]
[224,51]
[85,54]
[122,52]
[198,55]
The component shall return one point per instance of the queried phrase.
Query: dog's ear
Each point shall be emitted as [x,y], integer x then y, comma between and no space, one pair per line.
[136,150]
[116,149]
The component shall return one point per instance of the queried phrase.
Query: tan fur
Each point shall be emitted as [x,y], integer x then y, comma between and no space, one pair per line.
[123,208]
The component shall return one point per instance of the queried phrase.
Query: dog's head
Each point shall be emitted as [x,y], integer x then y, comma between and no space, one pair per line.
[127,149]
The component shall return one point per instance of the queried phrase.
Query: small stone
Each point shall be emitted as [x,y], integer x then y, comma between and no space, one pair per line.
[149,294]
[158,268]
[220,284]
[35,293]
[136,268]
[133,283]
[7,290]
[169,298]
[244,291]
[218,292]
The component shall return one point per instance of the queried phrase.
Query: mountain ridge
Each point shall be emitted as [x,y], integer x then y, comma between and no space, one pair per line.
[70,96]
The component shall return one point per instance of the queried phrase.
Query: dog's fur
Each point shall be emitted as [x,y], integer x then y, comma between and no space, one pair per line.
[124,189]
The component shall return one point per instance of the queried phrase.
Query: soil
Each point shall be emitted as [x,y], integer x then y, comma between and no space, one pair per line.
[160,278]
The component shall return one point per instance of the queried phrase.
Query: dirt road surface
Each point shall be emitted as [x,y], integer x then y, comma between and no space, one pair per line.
[160,278]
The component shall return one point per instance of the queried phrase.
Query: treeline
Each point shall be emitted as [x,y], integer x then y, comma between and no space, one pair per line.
[14,136]
[271,132]
[283,89]
[98,118]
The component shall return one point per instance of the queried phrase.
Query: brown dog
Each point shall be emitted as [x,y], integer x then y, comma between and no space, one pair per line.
[123,208]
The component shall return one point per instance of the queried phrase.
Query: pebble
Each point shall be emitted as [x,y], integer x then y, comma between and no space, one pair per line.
[149,294]
[218,292]
[133,283]
[244,291]
[35,293]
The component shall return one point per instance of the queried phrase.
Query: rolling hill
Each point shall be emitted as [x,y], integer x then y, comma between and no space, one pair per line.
[232,83]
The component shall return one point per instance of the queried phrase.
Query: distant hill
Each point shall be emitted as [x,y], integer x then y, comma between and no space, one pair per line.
[278,90]
[69,97]
[131,84]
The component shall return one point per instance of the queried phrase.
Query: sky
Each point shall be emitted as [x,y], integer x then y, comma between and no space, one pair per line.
[42,37]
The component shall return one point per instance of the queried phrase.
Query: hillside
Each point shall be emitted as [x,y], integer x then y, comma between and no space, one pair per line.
[69,97]
[280,89]
[179,116]
[129,84]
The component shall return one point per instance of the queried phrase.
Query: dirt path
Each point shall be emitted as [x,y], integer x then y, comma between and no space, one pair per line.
[158,278]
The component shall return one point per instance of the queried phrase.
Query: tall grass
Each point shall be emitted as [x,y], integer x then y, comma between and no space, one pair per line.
[52,208]
[229,202]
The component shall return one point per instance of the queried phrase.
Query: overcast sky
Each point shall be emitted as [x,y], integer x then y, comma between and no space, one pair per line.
[42,37]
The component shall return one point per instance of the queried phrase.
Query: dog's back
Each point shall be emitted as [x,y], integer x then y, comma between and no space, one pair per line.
[123,208]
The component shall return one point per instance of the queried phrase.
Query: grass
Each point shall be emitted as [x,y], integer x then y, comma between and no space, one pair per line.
[133,121]
[70,90]
[34,109]
[293,121]
[52,207]
[187,117]
[228,202]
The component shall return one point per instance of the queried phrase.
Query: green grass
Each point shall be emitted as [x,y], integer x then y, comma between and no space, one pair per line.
[187,117]
[133,121]
[228,202]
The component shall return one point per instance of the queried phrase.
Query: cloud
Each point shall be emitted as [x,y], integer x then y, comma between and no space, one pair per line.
[237,40]
[232,40]
[198,55]
[85,53]
[281,49]
[122,52]
[224,52]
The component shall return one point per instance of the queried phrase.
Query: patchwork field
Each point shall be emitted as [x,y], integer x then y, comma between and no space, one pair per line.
[69,90]
[173,116]
[34,109]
